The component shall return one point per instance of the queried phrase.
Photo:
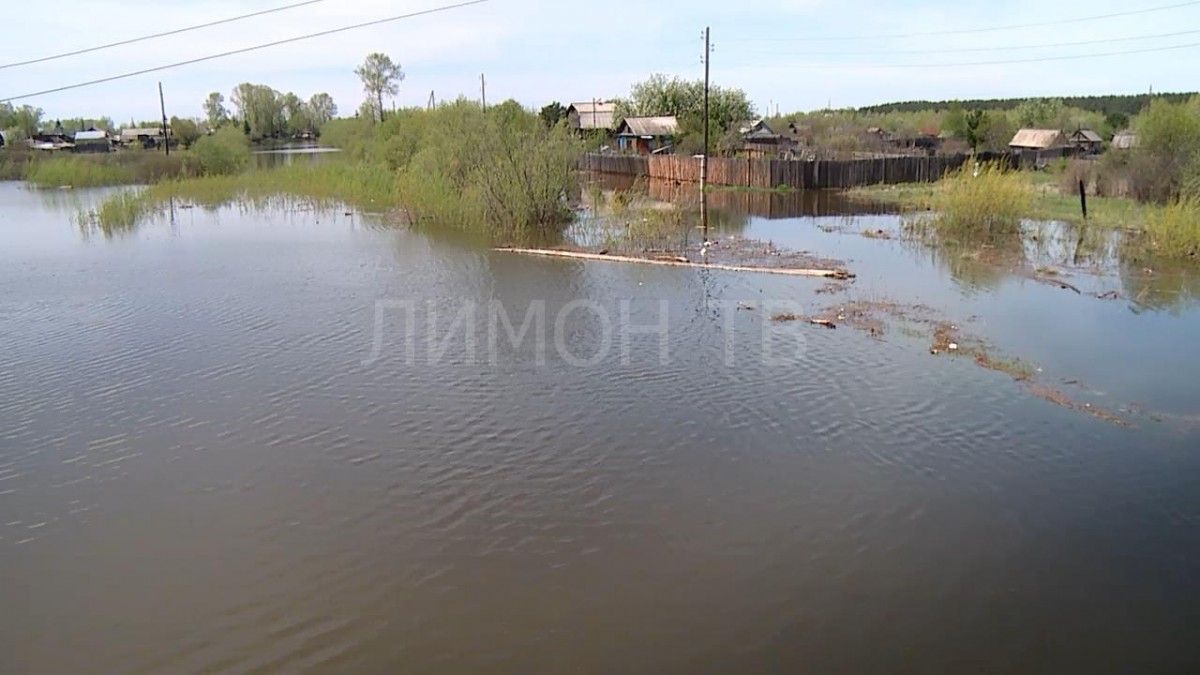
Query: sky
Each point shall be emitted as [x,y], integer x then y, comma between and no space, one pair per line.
[793,55]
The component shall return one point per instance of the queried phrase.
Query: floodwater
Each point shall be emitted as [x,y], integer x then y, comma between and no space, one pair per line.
[290,154]
[222,449]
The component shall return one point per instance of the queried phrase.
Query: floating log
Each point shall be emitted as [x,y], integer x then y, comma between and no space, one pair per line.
[580,255]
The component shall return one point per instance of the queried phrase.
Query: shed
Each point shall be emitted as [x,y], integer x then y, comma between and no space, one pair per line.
[1124,140]
[760,141]
[1086,141]
[1040,144]
[646,135]
[147,137]
[92,140]
[591,116]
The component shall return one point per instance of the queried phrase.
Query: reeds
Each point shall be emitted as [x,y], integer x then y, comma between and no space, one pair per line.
[985,199]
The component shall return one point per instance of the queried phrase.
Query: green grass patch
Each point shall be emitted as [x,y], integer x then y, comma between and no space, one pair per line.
[1171,231]
[983,200]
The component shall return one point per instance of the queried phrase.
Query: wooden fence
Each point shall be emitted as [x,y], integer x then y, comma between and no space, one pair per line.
[796,174]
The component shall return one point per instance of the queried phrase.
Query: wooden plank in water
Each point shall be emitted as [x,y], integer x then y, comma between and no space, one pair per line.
[580,255]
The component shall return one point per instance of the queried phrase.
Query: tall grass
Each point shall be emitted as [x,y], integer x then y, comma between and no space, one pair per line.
[127,167]
[1173,230]
[501,173]
[986,199]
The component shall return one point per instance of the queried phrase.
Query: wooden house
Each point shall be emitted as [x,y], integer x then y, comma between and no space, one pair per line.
[1038,145]
[759,141]
[592,116]
[1124,140]
[92,140]
[647,135]
[1086,142]
[145,137]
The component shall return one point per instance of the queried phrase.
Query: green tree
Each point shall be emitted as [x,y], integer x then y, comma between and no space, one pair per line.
[975,128]
[214,110]
[186,131]
[1168,150]
[954,122]
[260,108]
[662,95]
[552,113]
[380,75]
[322,108]
[1039,112]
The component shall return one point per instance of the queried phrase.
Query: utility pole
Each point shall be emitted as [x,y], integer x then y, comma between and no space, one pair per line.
[593,114]
[483,91]
[704,159]
[166,132]
[431,100]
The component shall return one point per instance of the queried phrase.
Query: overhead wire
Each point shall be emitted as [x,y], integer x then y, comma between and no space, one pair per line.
[243,50]
[968,31]
[143,38]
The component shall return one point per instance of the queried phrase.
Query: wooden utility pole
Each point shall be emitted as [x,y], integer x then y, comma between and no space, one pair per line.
[704,159]
[483,91]
[166,133]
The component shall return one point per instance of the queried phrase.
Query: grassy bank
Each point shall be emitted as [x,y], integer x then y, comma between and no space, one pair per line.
[1045,203]
[969,204]
[501,173]
[223,153]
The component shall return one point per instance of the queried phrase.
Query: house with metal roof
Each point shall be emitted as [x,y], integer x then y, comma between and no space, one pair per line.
[592,116]
[647,135]
[92,140]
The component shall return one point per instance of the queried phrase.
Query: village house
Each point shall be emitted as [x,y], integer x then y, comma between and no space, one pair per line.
[146,137]
[92,140]
[591,116]
[50,141]
[647,135]
[1038,145]
[1086,142]
[1124,140]
[759,141]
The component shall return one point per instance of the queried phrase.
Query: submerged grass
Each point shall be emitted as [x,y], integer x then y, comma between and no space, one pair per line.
[1172,231]
[983,200]
[364,186]
[501,173]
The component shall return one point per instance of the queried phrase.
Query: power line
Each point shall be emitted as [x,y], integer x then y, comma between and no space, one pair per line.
[967,31]
[1071,57]
[243,50]
[177,31]
[913,52]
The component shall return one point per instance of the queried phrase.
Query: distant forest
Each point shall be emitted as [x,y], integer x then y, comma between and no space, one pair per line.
[1128,105]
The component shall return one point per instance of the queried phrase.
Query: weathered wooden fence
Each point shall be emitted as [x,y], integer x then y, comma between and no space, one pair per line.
[796,174]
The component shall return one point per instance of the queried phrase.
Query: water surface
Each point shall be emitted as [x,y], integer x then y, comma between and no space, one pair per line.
[203,468]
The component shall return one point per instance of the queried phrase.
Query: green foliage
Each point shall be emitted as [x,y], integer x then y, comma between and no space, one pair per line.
[260,109]
[185,131]
[214,110]
[224,152]
[662,95]
[975,128]
[983,200]
[380,75]
[1127,105]
[1173,230]
[131,167]
[23,122]
[1168,151]
[321,109]
[553,113]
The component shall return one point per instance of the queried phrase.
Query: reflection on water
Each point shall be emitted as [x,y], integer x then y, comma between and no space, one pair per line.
[201,469]
[290,154]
